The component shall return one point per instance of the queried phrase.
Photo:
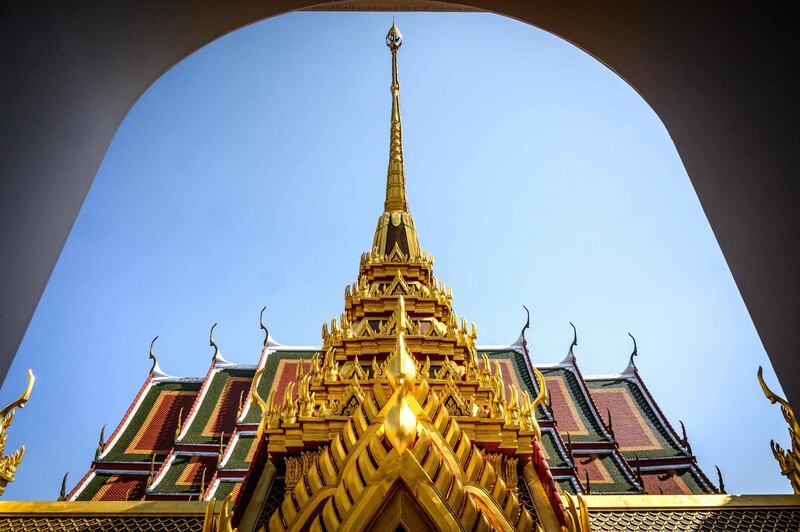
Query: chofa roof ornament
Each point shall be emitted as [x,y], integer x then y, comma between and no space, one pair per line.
[631,367]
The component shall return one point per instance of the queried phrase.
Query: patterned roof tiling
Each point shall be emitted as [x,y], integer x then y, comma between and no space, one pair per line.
[522,374]
[151,427]
[519,374]
[605,474]
[113,487]
[555,456]
[242,453]
[567,484]
[102,523]
[216,413]
[573,413]
[637,428]
[728,520]
[227,488]
[278,362]
[672,482]
[184,475]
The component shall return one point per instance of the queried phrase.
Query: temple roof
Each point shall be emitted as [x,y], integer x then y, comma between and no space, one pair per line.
[399,407]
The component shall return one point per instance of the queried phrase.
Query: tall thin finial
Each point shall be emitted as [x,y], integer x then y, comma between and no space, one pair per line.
[211,341]
[263,327]
[152,355]
[395,178]
[721,482]
[526,326]
[101,444]
[635,353]
[610,425]
[685,439]
[574,340]
[62,493]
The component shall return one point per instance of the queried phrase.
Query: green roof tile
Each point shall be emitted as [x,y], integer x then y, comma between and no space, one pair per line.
[159,412]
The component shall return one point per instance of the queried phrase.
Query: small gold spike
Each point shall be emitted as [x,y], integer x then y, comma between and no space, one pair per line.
[202,485]
[241,404]
[180,424]
[152,476]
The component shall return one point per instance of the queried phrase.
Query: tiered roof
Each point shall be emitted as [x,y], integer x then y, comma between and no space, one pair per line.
[398,407]
[639,452]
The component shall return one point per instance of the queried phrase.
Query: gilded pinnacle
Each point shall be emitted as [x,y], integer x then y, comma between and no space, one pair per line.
[395,179]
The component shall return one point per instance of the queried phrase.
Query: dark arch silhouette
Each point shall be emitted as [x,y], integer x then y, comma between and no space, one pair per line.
[721,77]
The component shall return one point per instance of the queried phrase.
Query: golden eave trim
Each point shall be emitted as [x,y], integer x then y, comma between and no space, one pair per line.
[104,507]
[621,503]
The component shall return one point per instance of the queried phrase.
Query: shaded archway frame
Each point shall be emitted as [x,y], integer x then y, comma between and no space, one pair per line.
[720,77]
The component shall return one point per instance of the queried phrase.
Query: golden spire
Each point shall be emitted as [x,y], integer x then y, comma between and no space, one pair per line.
[395,235]
[395,178]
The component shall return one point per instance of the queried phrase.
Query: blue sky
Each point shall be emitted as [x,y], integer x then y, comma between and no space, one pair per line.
[253,173]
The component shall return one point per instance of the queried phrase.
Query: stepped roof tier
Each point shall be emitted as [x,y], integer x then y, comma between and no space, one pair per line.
[399,419]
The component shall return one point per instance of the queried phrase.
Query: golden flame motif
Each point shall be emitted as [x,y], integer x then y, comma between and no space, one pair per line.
[400,367]
[401,423]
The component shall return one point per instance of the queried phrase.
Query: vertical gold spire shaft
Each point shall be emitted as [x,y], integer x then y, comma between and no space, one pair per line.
[395,178]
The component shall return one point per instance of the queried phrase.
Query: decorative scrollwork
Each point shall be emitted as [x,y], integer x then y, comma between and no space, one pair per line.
[789,460]
[9,464]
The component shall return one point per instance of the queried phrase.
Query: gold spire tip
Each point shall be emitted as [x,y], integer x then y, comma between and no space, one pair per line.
[394,39]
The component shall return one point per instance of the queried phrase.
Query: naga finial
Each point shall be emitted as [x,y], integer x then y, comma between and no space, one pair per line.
[9,464]
[721,482]
[526,326]
[610,424]
[152,355]
[574,340]
[789,460]
[541,397]
[685,439]
[152,475]
[588,484]
[221,453]
[101,444]
[62,493]
[263,327]
[257,399]
[635,353]
[211,341]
